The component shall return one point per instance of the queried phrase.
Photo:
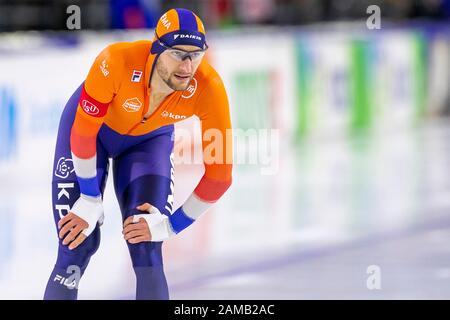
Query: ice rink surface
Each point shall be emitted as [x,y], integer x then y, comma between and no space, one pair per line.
[334,209]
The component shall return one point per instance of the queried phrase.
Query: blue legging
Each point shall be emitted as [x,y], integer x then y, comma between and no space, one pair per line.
[143,170]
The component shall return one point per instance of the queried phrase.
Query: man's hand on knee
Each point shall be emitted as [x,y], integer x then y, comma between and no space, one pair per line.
[149,226]
[81,221]
[70,228]
[135,228]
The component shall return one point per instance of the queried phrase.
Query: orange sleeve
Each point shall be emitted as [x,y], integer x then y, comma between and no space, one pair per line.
[217,141]
[105,75]
[98,91]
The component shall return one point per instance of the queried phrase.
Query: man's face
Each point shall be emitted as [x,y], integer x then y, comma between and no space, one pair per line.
[177,74]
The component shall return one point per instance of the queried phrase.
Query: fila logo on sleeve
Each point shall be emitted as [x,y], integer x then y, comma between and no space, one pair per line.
[136,77]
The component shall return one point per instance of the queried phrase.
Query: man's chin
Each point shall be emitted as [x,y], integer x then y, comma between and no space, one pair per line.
[178,85]
[181,88]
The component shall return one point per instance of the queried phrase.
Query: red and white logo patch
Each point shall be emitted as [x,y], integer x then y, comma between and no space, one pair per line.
[90,108]
[136,77]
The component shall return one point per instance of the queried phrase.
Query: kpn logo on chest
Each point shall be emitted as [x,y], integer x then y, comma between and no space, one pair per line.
[167,114]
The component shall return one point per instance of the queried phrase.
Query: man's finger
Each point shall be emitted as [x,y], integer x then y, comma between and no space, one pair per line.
[66,228]
[135,233]
[128,221]
[143,221]
[139,239]
[134,226]
[144,207]
[65,219]
[79,240]
[72,234]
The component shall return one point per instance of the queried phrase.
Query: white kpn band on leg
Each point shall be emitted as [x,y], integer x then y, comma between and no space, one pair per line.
[158,224]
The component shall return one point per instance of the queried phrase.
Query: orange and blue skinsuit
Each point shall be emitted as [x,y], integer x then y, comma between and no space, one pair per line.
[104,119]
[115,95]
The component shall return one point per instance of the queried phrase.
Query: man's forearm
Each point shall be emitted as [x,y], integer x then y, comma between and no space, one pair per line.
[190,211]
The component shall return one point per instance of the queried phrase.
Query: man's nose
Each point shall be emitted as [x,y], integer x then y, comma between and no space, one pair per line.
[186,65]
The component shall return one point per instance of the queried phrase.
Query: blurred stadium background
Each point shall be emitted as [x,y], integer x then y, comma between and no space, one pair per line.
[361,168]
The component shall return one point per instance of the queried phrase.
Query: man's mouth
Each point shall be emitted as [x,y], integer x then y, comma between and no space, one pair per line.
[182,77]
